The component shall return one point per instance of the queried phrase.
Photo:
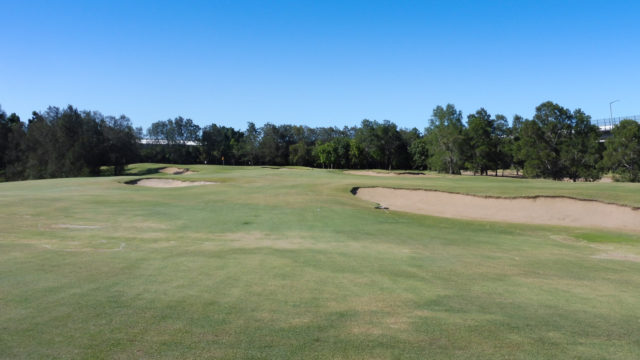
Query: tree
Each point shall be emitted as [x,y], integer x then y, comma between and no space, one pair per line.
[4,135]
[221,142]
[419,150]
[249,145]
[382,142]
[503,142]
[622,154]
[174,141]
[529,148]
[120,143]
[515,144]
[357,156]
[579,152]
[39,148]
[554,124]
[12,146]
[480,128]
[299,154]
[445,134]
[274,144]
[404,160]
[323,153]
[558,144]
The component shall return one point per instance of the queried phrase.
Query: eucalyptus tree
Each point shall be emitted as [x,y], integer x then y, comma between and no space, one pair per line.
[580,151]
[175,141]
[622,154]
[447,141]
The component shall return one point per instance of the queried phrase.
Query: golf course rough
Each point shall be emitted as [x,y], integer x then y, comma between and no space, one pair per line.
[287,264]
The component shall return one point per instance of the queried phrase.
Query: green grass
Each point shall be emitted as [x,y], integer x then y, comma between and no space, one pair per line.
[277,263]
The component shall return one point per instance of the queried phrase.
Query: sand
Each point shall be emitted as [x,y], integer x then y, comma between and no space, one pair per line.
[176,171]
[169,183]
[539,210]
[376,173]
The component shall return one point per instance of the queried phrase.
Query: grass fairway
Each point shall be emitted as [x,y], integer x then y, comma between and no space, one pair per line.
[285,263]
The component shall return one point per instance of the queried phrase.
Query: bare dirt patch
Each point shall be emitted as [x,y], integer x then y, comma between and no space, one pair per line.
[537,210]
[176,171]
[606,179]
[168,183]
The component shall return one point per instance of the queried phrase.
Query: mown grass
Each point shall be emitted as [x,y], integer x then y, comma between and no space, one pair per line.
[286,263]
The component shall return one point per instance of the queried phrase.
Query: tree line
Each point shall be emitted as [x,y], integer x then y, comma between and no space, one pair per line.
[556,143]
[64,143]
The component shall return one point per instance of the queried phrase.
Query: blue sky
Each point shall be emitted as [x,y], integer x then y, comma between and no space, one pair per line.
[321,63]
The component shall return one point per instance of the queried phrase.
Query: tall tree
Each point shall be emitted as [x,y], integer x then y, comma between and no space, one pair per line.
[447,145]
[580,151]
[120,143]
[382,143]
[419,150]
[12,143]
[357,155]
[501,135]
[515,145]
[176,141]
[249,145]
[622,154]
[480,129]
[220,142]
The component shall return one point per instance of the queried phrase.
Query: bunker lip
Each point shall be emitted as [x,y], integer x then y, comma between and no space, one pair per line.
[384,174]
[176,171]
[166,183]
[539,209]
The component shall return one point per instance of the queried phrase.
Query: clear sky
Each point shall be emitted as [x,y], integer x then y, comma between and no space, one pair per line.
[320,63]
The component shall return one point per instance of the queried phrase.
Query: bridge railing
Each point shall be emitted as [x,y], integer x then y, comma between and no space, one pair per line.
[609,123]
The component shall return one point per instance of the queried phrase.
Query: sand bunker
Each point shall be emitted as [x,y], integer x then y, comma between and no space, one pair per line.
[376,173]
[539,210]
[168,183]
[176,171]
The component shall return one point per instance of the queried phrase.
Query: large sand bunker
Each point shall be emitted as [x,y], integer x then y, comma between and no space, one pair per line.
[168,183]
[176,171]
[536,210]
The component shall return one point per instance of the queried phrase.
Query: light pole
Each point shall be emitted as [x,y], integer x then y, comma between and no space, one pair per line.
[611,111]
